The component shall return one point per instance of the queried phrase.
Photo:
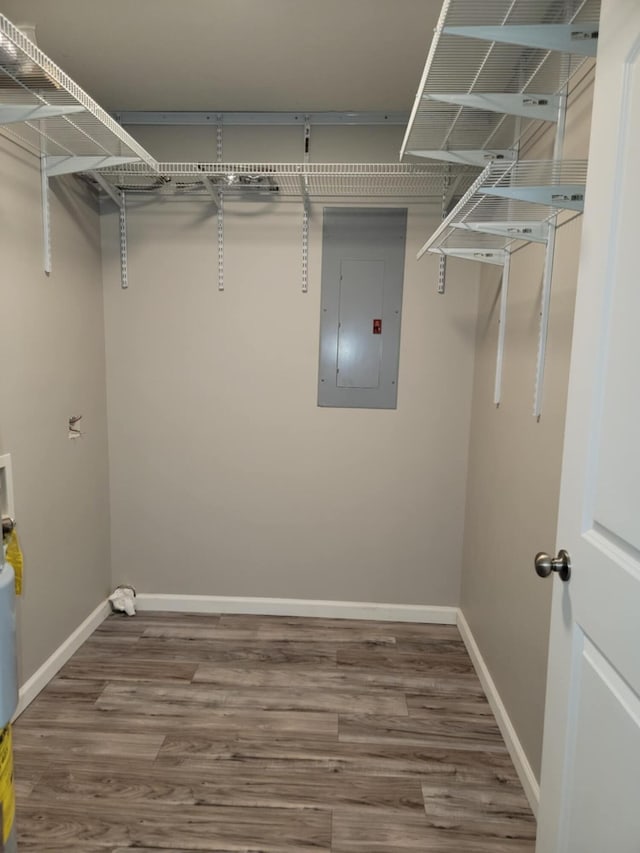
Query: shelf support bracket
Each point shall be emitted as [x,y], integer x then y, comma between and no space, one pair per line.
[485,256]
[306,214]
[502,329]
[545,305]
[305,248]
[566,38]
[124,267]
[442,260]
[213,193]
[118,196]
[307,138]
[442,274]
[220,243]
[564,196]
[112,192]
[67,165]
[532,232]
[219,137]
[547,279]
[540,107]
[304,189]
[12,113]
[46,215]
[471,157]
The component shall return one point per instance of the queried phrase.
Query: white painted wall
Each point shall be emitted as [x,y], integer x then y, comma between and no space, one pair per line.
[226,478]
[514,461]
[52,365]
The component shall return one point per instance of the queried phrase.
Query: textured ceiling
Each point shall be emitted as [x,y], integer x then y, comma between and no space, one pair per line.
[237,54]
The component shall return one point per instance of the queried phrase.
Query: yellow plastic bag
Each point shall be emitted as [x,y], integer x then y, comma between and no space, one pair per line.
[7,792]
[14,556]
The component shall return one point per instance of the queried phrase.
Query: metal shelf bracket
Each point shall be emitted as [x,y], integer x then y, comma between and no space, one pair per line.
[220,243]
[566,38]
[488,256]
[442,274]
[306,213]
[532,232]
[305,249]
[565,196]
[13,113]
[124,261]
[502,329]
[67,165]
[114,194]
[472,157]
[541,107]
[545,305]
[46,215]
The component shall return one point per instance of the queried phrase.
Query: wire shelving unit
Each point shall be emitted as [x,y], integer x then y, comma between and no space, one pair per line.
[47,112]
[495,67]
[507,205]
[417,183]
[493,70]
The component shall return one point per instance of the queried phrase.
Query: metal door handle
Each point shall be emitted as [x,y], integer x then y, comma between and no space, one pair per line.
[561,564]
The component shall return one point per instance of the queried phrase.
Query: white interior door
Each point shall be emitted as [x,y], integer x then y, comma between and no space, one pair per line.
[590,787]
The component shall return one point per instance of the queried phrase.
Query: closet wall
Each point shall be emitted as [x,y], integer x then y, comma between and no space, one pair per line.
[515,462]
[226,478]
[52,366]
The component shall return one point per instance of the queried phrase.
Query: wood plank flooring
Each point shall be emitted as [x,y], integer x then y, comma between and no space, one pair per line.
[179,732]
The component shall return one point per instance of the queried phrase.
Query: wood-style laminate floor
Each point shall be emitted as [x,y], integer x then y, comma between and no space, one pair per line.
[171,732]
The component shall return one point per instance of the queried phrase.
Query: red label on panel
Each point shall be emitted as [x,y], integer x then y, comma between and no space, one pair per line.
[377,327]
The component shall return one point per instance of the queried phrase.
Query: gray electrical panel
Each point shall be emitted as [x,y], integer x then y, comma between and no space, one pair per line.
[362,275]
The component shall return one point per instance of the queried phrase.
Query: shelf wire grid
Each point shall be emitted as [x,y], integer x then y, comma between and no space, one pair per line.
[461,65]
[475,208]
[29,78]
[283,181]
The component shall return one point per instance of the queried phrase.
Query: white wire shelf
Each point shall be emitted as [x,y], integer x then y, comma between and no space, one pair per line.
[288,181]
[508,204]
[494,67]
[45,111]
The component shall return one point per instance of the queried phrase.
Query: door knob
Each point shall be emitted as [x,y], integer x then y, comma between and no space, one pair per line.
[561,564]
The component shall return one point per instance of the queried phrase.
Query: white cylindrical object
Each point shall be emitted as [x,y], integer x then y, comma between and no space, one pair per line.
[8,665]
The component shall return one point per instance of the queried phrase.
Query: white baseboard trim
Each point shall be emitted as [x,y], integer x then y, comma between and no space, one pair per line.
[42,676]
[297,607]
[518,756]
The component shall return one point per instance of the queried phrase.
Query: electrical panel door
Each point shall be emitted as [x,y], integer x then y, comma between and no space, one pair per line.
[362,276]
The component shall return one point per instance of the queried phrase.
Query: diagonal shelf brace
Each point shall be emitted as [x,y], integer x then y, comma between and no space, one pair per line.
[502,329]
[565,196]
[471,157]
[212,191]
[532,232]
[67,165]
[566,38]
[12,113]
[539,107]
[110,190]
